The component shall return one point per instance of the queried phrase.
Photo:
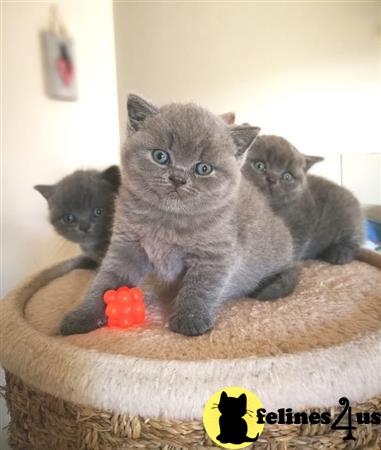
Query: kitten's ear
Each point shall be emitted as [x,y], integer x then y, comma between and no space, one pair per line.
[243,137]
[228,118]
[113,176]
[311,160]
[138,110]
[224,396]
[243,399]
[46,190]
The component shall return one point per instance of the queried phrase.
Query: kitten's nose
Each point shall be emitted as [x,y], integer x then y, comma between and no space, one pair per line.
[177,180]
[83,226]
[271,179]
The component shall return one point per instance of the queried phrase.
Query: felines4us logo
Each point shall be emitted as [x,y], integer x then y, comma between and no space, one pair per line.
[234,418]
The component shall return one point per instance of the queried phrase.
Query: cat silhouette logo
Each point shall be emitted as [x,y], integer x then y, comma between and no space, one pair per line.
[230,417]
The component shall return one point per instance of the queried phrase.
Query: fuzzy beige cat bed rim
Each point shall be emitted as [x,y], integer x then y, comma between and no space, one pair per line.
[75,394]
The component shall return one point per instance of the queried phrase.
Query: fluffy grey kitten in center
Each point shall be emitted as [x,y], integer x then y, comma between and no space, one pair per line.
[185,212]
[81,208]
[325,219]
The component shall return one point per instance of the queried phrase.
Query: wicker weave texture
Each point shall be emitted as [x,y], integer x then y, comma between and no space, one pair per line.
[40,421]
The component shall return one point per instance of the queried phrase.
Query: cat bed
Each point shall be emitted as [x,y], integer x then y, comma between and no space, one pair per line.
[146,387]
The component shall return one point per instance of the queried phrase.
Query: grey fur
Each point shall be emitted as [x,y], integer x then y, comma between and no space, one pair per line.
[80,194]
[214,233]
[325,219]
[278,285]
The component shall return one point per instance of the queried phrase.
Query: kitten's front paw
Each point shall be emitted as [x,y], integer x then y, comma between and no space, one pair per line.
[339,254]
[191,322]
[79,321]
[280,285]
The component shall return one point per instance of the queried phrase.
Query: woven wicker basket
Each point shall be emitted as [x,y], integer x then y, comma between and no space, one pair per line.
[50,409]
[41,421]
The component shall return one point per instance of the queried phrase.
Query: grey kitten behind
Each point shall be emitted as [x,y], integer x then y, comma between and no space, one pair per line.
[81,208]
[186,213]
[325,219]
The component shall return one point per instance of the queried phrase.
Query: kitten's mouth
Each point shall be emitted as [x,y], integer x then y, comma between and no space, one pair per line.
[271,188]
[174,193]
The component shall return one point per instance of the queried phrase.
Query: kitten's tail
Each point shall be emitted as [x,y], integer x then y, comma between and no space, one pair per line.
[46,276]
[249,439]
[63,267]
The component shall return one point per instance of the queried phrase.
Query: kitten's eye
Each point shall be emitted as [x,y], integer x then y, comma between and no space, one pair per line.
[97,212]
[68,218]
[160,156]
[260,165]
[286,176]
[203,169]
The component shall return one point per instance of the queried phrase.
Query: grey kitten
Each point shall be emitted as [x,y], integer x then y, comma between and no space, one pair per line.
[325,219]
[186,213]
[81,208]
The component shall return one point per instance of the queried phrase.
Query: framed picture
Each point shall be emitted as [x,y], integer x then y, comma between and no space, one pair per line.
[59,67]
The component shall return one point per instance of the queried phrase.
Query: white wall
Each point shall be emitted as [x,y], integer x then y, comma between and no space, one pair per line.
[310,71]
[44,139]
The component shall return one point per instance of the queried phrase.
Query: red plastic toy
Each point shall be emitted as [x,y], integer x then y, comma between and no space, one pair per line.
[125,307]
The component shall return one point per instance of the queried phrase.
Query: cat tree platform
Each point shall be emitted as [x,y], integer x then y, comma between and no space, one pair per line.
[146,387]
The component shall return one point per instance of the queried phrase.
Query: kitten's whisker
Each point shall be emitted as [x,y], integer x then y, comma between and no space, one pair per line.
[191,190]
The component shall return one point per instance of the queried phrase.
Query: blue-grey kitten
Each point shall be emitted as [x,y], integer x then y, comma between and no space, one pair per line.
[325,219]
[186,213]
[81,208]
